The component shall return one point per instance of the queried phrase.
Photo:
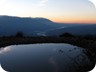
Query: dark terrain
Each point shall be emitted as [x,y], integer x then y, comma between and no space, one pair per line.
[87,42]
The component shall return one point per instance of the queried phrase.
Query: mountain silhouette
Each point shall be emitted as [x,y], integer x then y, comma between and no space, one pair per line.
[75,30]
[10,25]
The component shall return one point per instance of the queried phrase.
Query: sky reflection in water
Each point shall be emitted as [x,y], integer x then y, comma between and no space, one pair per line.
[43,58]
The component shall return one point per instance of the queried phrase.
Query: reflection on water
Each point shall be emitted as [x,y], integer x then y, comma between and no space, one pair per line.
[44,58]
[6,49]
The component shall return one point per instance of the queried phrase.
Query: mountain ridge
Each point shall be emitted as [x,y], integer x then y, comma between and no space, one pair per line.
[10,25]
[76,30]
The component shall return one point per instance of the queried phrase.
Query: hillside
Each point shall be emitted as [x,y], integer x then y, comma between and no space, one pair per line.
[10,25]
[75,30]
[29,26]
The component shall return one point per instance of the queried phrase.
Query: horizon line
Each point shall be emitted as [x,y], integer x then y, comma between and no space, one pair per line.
[48,19]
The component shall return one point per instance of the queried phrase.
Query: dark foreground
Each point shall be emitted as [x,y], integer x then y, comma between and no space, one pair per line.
[87,42]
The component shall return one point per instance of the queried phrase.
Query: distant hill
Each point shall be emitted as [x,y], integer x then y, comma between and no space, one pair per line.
[10,25]
[29,26]
[75,30]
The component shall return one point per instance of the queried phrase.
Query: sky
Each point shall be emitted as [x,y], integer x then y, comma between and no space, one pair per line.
[65,11]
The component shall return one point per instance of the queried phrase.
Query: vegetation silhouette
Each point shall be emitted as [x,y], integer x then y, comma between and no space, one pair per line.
[66,35]
[87,42]
[19,34]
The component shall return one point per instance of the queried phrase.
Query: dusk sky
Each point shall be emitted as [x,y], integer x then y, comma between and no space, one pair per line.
[71,11]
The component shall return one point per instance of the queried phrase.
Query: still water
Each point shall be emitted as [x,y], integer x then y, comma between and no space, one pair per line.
[44,58]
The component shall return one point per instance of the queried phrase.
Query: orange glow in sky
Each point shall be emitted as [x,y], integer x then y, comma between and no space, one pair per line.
[70,11]
[70,20]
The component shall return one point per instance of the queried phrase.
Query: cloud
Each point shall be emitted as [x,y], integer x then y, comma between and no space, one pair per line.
[94,2]
[2,1]
[42,3]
